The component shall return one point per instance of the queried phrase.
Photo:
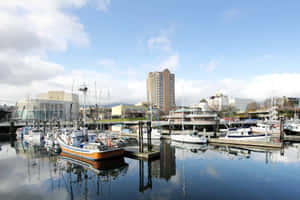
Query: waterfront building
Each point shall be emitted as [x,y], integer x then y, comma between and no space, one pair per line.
[291,101]
[128,111]
[54,105]
[161,90]
[194,113]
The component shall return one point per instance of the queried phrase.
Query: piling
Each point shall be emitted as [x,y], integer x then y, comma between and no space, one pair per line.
[149,130]
[50,125]
[44,126]
[216,128]
[141,144]
[281,129]
[12,128]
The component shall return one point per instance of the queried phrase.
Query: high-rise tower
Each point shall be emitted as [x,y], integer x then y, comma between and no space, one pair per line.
[161,90]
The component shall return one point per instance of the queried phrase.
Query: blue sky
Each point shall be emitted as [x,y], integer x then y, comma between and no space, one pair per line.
[240,48]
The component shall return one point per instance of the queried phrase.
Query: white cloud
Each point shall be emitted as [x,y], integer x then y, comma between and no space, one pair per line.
[160,42]
[258,87]
[18,69]
[102,4]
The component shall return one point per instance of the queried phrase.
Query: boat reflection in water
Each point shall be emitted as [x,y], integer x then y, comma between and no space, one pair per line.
[194,148]
[115,166]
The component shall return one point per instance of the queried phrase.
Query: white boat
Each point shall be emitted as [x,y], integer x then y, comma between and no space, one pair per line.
[191,138]
[34,136]
[155,133]
[262,128]
[243,134]
[292,129]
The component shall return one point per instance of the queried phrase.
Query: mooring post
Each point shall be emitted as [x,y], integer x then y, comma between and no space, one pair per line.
[12,128]
[141,175]
[216,127]
[58,124]
[281,129]
[149,174]
[50,124]
[45,123]
[141,148]
[149,130]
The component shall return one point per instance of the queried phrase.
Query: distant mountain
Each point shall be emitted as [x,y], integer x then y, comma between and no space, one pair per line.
[108,105]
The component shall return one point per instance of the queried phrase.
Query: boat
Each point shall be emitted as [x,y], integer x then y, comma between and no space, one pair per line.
[292,129]
[191,138]
[155,133]
[51,142]
[243,134]
[34,136]
[262,128]
[80,144]
[22,131]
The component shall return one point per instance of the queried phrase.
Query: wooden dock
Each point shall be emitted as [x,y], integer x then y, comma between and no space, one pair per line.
[133,152]
[245,143]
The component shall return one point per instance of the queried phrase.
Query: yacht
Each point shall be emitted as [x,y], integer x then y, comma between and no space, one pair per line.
[262,128]
[34,136]
[191,138]
[243,134]
[155,133]
[292,129]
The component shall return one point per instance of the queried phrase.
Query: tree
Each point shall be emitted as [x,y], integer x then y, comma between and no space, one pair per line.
[253,106]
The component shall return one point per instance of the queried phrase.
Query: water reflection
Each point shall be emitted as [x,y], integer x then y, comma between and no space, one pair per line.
[183,172]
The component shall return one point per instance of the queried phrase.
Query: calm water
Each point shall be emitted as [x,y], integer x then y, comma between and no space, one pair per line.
[183,172]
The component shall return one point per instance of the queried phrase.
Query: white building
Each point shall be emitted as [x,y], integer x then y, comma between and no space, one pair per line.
[218,102]
[54,105]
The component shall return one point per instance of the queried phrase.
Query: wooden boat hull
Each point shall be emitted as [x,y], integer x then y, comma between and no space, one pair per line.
[88,154]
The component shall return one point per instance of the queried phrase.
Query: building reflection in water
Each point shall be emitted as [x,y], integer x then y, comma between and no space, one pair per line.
[162,168]
[165,167]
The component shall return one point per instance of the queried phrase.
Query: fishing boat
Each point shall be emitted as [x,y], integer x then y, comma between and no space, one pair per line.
[191,138]
[80,144]
[243,134]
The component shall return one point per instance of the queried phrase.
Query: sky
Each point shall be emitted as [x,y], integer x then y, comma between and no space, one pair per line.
[245,49]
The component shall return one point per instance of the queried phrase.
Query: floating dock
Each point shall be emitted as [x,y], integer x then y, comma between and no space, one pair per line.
[133,152]
[245,143]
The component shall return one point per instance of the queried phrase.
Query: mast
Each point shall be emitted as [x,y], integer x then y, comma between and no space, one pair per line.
[182,108]
[97,116]
[84,90]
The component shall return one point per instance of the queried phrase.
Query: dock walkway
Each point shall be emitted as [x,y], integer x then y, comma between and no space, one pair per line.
[245,143]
